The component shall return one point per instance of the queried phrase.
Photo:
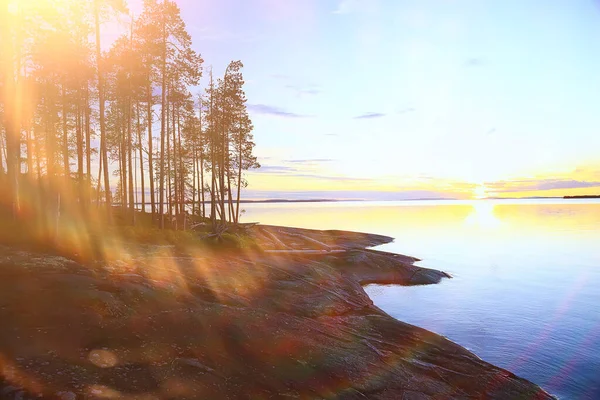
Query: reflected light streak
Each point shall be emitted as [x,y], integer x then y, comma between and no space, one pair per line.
[483,215]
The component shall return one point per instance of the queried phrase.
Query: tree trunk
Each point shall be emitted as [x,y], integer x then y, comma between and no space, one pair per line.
[66,169]
[129,147]
[141,154]
[239,187]
[162,124]
[201,156]
[130,136]
[194,174]
[168,161]
[103,147]
[181,172]
[79,139]
[88,146]
[11,118]
[173,167]
[29,151]
[150,155]
[202,185]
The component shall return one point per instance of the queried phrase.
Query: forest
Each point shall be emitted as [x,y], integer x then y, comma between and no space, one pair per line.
[86,129]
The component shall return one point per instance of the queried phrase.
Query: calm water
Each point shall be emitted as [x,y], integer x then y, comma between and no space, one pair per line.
[526,288]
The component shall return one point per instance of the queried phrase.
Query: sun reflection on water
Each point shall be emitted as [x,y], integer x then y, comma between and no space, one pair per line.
[483,216]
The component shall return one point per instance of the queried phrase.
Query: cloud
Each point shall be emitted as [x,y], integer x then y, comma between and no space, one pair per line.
[347,195]
[275,169]
[309,160]
[297,171]
[406,110]
[475,62]
[369,115]
[331,178]
[541,184]
[271,110]
[299,88]
[310,90]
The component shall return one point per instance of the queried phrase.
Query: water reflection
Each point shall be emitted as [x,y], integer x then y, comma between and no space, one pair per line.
[526,276]
[483,215]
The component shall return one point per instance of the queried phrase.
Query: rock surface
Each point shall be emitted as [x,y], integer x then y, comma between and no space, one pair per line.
[250,326]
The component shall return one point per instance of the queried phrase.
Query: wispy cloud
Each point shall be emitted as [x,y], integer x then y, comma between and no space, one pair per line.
[475,62]
[530,185]
[275,169]
[297,86]
[272,110]
[302,169]
[370,115]
[406,110]
[348,195]
[309,160]
[331,178]
[310,90]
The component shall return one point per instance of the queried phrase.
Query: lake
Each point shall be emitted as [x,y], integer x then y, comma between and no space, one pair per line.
[525,293]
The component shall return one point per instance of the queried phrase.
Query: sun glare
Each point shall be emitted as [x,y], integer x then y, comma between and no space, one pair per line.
[483,215]
[480,192]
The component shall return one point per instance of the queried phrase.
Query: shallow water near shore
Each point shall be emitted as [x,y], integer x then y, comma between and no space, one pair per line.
[526,289]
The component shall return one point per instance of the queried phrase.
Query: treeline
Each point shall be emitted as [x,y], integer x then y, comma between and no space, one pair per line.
[71,114]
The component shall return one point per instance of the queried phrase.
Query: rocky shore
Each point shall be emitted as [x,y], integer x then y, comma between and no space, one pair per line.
[288,319]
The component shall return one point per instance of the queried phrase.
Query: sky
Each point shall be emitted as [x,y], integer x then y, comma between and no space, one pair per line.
[397,99]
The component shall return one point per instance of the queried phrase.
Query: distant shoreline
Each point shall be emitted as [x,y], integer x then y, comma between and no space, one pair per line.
[284,201]
[590,196]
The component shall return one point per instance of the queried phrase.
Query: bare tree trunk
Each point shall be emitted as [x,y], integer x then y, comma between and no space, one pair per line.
[38,161]
[167,156]
[194,174]
[130,137]
[66,168]
[202,186]
[122,168]
[201,156]
[229,196]
[141,154]
[30,151]
[150,155]
[2,156]
[129,147]
[174,169]
[10,110]
[103,147]
[239,186]
[98,185]
[88,148]
[162,123]
[222,167]
[181,172]
[79,139]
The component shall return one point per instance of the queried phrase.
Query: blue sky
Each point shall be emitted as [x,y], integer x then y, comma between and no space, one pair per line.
[412,98]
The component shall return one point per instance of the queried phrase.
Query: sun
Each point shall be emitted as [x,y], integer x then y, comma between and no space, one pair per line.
[480,192]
